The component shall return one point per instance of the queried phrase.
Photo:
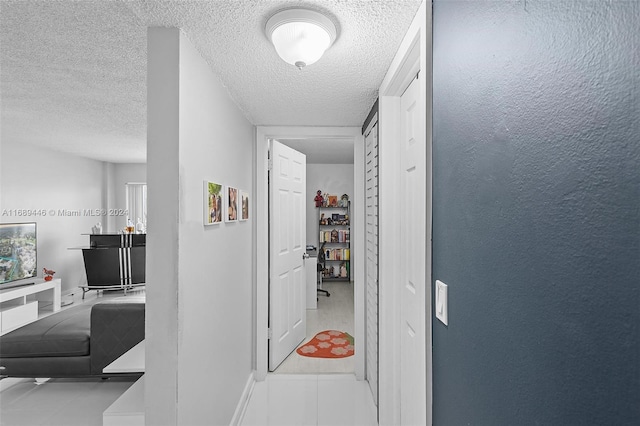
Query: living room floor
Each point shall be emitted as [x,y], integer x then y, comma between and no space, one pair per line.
[62,401]
[67,402]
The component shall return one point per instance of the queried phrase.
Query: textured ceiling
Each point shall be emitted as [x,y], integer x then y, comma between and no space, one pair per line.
[73,77]
[73,73]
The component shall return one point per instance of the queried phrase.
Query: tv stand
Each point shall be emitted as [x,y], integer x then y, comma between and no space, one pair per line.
[14,285]
[19,305]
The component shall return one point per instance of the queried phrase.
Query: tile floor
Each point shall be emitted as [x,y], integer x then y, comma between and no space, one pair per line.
[58,402]
[305,399]
[282,399]
[308,397]
[303,390]
[334,313]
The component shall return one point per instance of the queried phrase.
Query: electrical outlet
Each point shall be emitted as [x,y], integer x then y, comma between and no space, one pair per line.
[442,308]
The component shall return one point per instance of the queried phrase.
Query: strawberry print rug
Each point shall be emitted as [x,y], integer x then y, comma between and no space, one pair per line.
[328,344]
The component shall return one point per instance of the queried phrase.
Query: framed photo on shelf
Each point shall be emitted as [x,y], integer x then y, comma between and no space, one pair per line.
[213,203]
[232,204]
[333,201]
[244,205]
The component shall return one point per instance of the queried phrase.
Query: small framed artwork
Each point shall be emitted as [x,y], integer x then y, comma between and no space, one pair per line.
[232,204]
[244,205]
[213,203]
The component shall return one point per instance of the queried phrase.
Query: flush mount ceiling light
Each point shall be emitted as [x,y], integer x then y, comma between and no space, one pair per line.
[300,36]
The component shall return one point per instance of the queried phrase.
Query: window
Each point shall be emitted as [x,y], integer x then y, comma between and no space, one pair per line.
[136,195]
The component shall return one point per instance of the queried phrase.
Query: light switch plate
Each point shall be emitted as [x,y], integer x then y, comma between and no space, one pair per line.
[442,308]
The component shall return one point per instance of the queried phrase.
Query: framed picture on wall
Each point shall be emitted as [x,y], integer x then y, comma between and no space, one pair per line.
[232,204]
[244,205]
[213,202]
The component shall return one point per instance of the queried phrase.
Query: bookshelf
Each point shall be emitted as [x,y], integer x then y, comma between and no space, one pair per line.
[334,232]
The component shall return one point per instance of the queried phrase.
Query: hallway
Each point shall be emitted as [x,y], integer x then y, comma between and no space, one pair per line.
[510,175]
[330,399]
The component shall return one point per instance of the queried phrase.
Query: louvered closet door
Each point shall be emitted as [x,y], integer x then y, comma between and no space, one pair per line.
[371,167]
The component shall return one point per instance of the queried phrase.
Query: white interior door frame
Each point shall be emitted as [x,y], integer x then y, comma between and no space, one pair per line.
[263,135]
[413,56]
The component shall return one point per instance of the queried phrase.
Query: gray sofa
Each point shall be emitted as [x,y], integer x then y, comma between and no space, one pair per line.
[75,342]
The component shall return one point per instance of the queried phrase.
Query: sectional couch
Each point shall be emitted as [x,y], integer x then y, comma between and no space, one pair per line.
[75,342]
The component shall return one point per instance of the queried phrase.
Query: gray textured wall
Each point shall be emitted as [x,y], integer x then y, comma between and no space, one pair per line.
[536,225]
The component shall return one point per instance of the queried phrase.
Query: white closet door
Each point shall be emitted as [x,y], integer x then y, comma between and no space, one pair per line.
[413,234]
[371,170]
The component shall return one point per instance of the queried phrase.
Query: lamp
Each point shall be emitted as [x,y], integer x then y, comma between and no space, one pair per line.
[300,36]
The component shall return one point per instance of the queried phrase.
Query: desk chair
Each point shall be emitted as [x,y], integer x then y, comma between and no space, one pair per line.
[320,289]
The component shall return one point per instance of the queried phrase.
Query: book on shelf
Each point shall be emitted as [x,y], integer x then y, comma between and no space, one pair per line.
[337,254]
[335,236]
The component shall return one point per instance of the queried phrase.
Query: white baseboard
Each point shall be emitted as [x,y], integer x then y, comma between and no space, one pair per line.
[241,408]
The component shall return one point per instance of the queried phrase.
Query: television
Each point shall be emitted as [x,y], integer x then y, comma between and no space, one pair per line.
[18,253]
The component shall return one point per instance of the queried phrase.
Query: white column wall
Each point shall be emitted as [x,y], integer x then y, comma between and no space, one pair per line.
[201,354]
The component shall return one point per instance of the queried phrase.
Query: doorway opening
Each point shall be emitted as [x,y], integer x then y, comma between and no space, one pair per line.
[328,345]
[295,136]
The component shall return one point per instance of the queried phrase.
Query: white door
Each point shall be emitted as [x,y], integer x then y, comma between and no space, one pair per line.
[413,399]
[287,243]
[371,187]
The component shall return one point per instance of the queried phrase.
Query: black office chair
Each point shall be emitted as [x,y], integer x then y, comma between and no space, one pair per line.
[320,271]
[321,267]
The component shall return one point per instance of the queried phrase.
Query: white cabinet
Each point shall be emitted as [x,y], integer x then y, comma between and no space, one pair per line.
[19,305]
[14,316]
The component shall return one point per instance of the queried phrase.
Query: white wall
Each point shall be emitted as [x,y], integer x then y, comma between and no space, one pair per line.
[199,323]
[39,178]
[335,179]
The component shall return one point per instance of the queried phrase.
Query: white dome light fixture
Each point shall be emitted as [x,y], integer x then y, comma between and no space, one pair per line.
[300,36]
